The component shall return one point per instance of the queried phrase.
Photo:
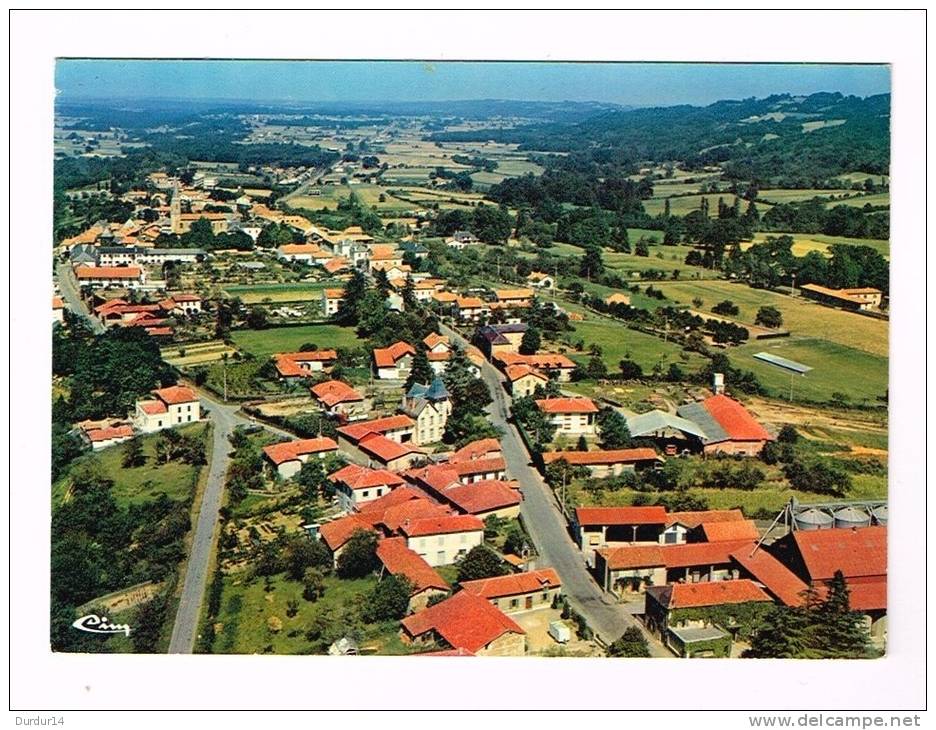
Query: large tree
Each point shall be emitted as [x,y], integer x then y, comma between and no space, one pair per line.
[359,556]
[613,430]
[480,562]
[421,371]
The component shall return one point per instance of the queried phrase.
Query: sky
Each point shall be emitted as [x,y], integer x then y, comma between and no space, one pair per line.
[637,84]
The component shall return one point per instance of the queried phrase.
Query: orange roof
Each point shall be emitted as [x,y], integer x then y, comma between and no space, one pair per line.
[587,516]
[386,357]
[334,293]
[393,517]
[175,394]
[433,339]
[464,621]
[362,477]
[398,559]
[856,552]
[692,554]
[617,298]
[337,532]
[515,372]
[490,465]
[57,303]
[310,355]
[287,363]
[398,496]
[357,431]
[336,264]
[299,248]
[436,476]
[441,525]
[697,517]
[610,456]
[152,407]
[476,449]
[772,574]
[332,392]
[734,530]
[712,593]
[445,297]
[438,356]
[292,450]
[735,419]
[469,303]
[108,272]
[567,405]
[503,294]
[105,434]
[385,450]
[868,596]
[516,584]
[633,556]
[482,496]
[545,360]
[158,331]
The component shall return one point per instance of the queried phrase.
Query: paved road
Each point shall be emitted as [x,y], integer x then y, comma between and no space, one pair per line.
[68,287]
[547,527]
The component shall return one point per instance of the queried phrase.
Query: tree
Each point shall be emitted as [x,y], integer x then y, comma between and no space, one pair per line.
[788,434]
[480,562]
[257,318]
[631,644]
[780,635]
[312,478]
[516,541]
[490,224]
[301,553]
[133,455]
[641,249]
[841,633]
[359,557]
[726,308]
[769,317]
[630,370]
[388,601]
[313,584]
[355,289]
[596,369]
[531,341]
[148,622]
[613,430]
[592,265]
[421,371]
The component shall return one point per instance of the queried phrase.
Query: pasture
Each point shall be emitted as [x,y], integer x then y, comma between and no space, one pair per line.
[618,343]
[860,201]
[798,194]
[685,204]
[803,243]
[264,343]
[278,293]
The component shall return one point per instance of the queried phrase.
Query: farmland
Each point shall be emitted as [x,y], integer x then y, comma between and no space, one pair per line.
[618,343]
[803,243]
[278,293]
[264,343]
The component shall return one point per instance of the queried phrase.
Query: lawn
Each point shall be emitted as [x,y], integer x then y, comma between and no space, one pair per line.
[246,607]
[618,342]
[258,293]
[861,201]
[264,343]
[140,484]
[803,243]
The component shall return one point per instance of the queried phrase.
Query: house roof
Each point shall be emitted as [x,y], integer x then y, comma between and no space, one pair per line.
[152,407]
[386,357]
[57,303]
[398,559]
[482,496]
[686,555]
[507,294]
[695,518]
[724,419]
[299,248]
[617,298]
[337,532]
[731,530]
[357,431]
[567,405]
[772,574]
[544,360]
[609,456]
[516,372]
[334,293]
[336,264]
[105,434]
[108,272]
[466,621]
[587,516]
[491,465]
[375,508]
[332,392]
[435,391]
[362,477]
[712,593]
[384,449]
[481,448]
[515,584]
[443,525]
[175,394]
[435,476]
[633,556]
[292,450]
[469,303]
[433,339]
[653,421]
[868,596]
[445,297]
[415,509]
[855,551]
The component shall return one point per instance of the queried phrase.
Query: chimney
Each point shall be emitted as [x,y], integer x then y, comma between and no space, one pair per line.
[718,383]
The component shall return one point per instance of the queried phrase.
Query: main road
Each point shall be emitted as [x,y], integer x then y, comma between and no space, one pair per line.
[547,527]
[68,287]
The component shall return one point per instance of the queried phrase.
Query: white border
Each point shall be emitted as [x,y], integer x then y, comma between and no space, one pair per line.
[42,682]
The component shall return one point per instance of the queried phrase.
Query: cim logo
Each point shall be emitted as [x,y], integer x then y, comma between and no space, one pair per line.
[94,624]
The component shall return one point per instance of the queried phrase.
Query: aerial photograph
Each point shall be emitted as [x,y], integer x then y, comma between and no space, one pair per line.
[470,359]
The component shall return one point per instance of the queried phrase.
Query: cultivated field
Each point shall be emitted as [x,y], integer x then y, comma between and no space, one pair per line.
[803,243]
[685,204]
[798,195]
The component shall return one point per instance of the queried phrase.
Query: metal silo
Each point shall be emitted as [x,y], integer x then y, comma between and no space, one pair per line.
[880,514]
[852,517]
[812,519]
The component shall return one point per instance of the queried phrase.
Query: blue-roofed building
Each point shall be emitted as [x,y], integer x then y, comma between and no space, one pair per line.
[429,406]
[672,434]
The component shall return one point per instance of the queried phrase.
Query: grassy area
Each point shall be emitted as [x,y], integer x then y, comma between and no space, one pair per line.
[798,195]
[861,201]
[264,343]
[803,243]
[330,195]
[682,205]
[617,343]
[246,608]
[140,484]
[257,293]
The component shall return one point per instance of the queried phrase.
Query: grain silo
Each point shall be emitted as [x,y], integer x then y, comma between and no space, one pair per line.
[852,517]
[879,514]
[812,519]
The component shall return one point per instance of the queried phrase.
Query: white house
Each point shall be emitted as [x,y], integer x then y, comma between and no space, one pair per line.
[355,485]
[443,540]
[288,457]
[171,406]
[394,362]
[331,300]
[570,416]
[105,277]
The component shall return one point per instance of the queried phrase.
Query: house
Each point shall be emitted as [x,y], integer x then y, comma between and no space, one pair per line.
[460,239]
[425,582]
[728,426]
[861,300]
[445,301]
[518,592]
[607,463]
[479,469]
[554,365]
[443,540]
[676,612]
[161,256]
[386,258]
[106,277]
[294,366]
[514,297]
[417,250]
[397,428]
[597,527]
[617,298]
[489,448]
[102,435]
[394,362]
[389,454]
[465,622]
[438,350]
[119,312]
[523,380]
[356,485]
[287,457]
[470,309]
[339,399]
[539,280]
[430,407]
[171,406]
[570,416]
[393,272]
[58,310]
[496,339]
[335,534]
[782,584]
[485,498]
[336,264]
[185,304]
[392,517]
[670,433]
[306,253]
[686,526]
[332,299]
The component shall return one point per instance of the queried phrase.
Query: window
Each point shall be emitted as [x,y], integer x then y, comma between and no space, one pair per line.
[379,492]
[365,493]
[514,602]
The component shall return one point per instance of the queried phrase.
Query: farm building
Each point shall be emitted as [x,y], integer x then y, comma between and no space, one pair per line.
[728,427]
[859,299]
[397,559]
[670,433]
[612,462]
[518,592]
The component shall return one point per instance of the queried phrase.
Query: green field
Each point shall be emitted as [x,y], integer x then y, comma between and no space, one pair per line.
[140,484]
[685,204]
[330,195]
[862,200]
[246,607]
[803,243]
[264,343]
[798,194]
[619,343]
[258,293]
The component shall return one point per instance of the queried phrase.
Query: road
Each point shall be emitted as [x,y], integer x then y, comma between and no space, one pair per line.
[68,287]
[547,526]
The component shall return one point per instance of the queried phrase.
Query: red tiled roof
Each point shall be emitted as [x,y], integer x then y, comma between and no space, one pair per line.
[361,477]
[175,394]
[310,356]
[386,450]
[57,303]
[336,264]
[633,556]
[436,476]
[515,584]
[515,372]
[734,530]
[401,495]
[493,465]
[735,419]
[869,596]
[299,248]
[482,496]
[357,431]
[508,294]
[772,574]
[445,297]
[337,532]
[292,450]
[465,621]
[332,392]
[441,525]
[544,360]
[655,515]
[693,554]
[400,560]
[108,272]
[567,405]
[334,293]
[610,456]
[415,509]
[433,339]
[476,449]
[856,552]
[105,434]
[697,517]
[712,593]
[469,302]
[158,331]
[386,357]
[152,407]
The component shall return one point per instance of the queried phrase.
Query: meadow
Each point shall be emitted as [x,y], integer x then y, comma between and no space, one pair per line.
[278,293]
[264,343]
[803,243]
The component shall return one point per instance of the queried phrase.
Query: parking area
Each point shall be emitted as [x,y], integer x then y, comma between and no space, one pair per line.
[536,624]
